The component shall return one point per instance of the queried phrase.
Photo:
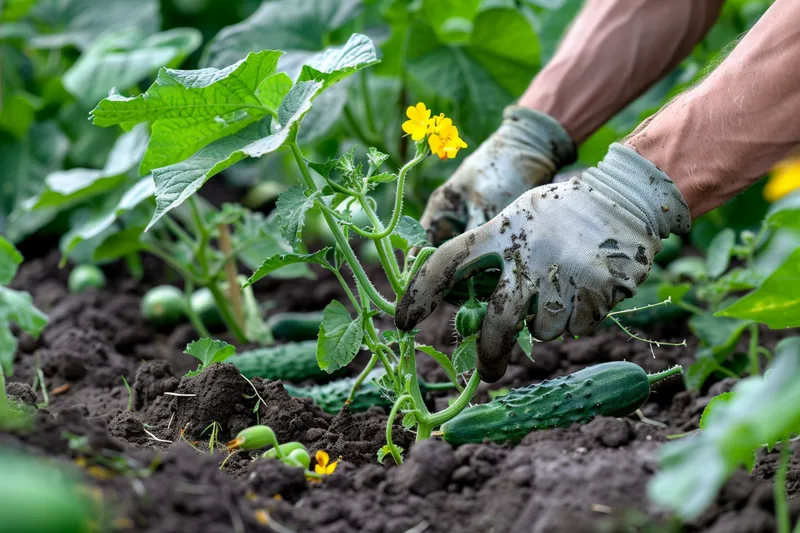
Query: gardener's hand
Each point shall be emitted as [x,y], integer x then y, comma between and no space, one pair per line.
[569,253]
[526,151]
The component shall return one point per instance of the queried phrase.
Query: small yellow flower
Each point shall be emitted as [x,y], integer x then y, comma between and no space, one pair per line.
[417,125]
[322,467]
[444,140]
[785,178]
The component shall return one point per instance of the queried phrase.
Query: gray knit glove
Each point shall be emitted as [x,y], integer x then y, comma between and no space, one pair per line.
[569,252]
[526,151]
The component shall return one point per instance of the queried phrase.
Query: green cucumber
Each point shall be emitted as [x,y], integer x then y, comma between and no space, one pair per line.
[163,305]
[608,389]
[332,396]
[291,362]
[294,327]
[204,306]
[470,317]
[85,277]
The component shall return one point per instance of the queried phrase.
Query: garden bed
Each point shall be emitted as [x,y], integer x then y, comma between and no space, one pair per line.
[574,479]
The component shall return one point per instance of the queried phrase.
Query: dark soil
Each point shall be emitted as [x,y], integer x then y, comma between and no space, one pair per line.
[585,478]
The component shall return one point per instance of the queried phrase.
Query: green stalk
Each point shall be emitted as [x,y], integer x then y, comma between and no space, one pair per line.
[134,263]
[779,488]
[389,423]
[194,320]
[342,242]
[3,399]
[755,364]
[664,374]
[361,377]
[457,406]
[227,317]
[367,101]
[385,252]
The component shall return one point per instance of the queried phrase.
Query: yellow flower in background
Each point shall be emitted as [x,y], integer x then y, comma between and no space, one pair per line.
[444,140]
[785,178]
[417,125]
[323,467]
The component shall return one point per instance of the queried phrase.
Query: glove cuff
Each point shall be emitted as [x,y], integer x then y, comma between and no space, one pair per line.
[643,188]
[541,132]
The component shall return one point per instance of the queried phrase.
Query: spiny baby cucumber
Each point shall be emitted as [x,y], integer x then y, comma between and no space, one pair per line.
[608,389]
[470,317]
[85,277]
[255,437]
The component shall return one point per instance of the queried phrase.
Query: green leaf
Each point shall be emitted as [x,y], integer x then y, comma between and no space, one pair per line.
[15,9]
[18,112]
[716,402]
[125,58]
[691,268]
[339,337]
[8,348]
[290,212]
[10,259]
[26,164]
[119,244]
[133,197]
[273,90]
[277,261]
[302,26]
[80,22]
[338,62]
[442,359]
[66,187]
[17,306]
[719,333]
[385,452]
[208,351]
[674,292]
[705,363]
[762,410]
[719,253]
[451,19]
[785,213]
[408,234]
[190,109]
[525,341]
[465,356]
[176,183]
[376,159]
[776,302]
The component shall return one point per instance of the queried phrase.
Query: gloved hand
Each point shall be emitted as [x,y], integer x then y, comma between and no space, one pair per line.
[526,151]
[569,252]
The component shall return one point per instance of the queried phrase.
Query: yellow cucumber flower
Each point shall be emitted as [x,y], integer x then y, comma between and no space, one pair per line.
[444,140]
[417,125]
[323,467]
[785,178]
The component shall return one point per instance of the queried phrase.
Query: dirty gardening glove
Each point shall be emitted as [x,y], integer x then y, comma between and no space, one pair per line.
[569,252]
[526,151]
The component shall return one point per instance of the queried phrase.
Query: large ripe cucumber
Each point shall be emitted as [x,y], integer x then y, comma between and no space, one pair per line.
[294,327]
[608,389]
[331,397]
[292,362]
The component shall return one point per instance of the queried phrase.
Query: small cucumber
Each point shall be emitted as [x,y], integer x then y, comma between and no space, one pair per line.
[470,317]
[291,362]
[85,277]
[608,389]
[163,305]
[294,327]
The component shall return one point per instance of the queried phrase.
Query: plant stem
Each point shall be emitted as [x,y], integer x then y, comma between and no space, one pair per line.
[202,232]
[3,399]
[361,377]
[230,274]
[366,139]
[346,287]
[779,488]
[755,364]
[389,423]
[178,267]
[134,263]
[385,253]
[664,374]
[342,242]
[178,231]
[638,338]
[225,312]
[457,406]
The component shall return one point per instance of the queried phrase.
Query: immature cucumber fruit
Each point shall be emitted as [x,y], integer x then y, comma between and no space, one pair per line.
[291,362]
[163,305]
[85,277]
[470,317]
[607,389]
[204,306]
[293,327]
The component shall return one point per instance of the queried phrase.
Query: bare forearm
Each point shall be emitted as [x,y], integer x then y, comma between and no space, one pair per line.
[613,52]
[719,138]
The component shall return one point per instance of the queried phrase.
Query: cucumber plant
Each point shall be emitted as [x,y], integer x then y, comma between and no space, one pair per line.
[15,307]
